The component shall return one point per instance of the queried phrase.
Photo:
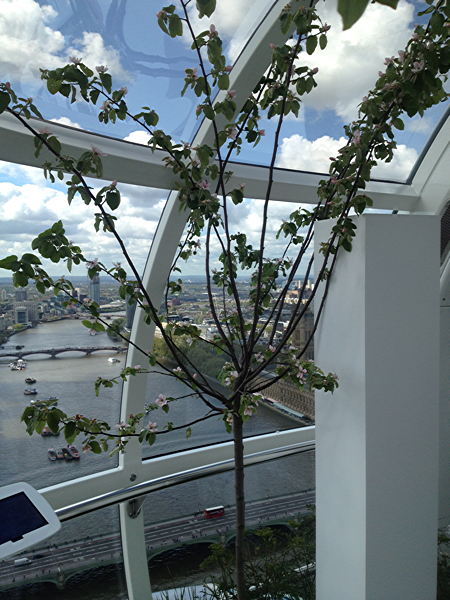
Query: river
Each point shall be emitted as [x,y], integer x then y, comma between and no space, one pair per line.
[70,378]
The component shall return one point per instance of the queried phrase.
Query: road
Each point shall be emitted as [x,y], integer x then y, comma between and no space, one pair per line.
[57,563]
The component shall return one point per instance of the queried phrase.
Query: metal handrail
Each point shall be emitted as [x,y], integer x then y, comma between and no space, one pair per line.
[145,487]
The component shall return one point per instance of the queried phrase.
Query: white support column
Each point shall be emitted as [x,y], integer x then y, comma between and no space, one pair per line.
[377,435]
[134,554]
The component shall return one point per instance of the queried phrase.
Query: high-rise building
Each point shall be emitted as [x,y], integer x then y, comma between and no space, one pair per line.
[21,295]
[94,288]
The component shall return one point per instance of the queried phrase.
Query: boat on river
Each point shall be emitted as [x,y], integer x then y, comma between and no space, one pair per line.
[51,454]
[75,453]
[18,365]
[30,380]
[67,454]
[47,432]
[113,359]
[59,454]
[30,391]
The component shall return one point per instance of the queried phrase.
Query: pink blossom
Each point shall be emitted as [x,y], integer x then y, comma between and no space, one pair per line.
[123,90]
[212,31]
[402,55]
[204,184]
[75,60]
[271,348]
[161,400]
[262,132]
[418,66]
[249,410]
[113,183]
[152,426]
[388,60]
[272,45]
[314,71]
[122,425]
[415,36]
[96,151]
[380,74]
[101,69]
[137,367]
[92,263]
[44,131]
[29,100]
[160,14]
[326,27]
[228,68]
[199,109]
[356,139]
[229,418]
[231,93]
[105,105]
[232,133]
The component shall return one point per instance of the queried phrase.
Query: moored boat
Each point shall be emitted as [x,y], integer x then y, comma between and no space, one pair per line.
[30,380]
[113,359]
[67,454]
[59,454]
[51,453]
[47,432]
[75,453]
[30,391]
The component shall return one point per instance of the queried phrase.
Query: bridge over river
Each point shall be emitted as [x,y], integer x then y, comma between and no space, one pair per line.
[53,352]
[57,564]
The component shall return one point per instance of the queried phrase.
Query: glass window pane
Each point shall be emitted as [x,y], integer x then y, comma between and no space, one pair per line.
[59,352]
[178,532]
[83,560]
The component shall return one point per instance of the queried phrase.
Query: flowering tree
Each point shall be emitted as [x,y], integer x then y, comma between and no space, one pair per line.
[246,327]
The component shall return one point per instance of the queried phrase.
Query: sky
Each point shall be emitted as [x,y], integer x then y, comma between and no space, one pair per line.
[124,36]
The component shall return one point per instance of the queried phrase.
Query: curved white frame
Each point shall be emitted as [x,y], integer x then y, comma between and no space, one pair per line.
[127,162]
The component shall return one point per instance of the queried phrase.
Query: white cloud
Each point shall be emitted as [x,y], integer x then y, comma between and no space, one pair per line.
[28,42]
[93,52]
[138,137]
[66,121]
[420,125]
[299,153]
[349,65]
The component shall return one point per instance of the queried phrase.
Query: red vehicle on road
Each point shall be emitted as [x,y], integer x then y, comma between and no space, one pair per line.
[214,512]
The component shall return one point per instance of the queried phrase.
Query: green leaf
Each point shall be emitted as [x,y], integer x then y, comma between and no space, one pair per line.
[205,7]
[95,447]
[106,80]
[323,40]
[54,85]
[70,430]
[391,3]
[4,101]
[351,11]
[188,433]
[223,81]
[175,26]
[398,123]
[8,261]
[53,420]
[311,44]
[31,258]
[54,144]
[237,196]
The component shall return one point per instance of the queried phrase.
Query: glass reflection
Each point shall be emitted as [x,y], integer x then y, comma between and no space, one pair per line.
[83,560]
[179,533]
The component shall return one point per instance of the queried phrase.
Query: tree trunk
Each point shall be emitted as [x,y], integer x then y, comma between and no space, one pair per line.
[240,506]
